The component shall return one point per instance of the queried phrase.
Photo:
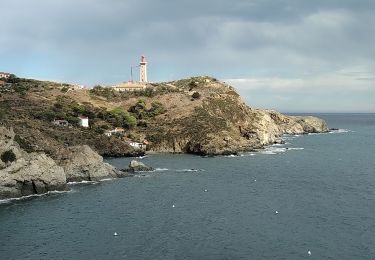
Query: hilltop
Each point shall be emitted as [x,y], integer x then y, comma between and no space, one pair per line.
[199,115]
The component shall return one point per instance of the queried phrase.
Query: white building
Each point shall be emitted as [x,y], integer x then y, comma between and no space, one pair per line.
[119,130]
[137,145]
[60,122]
[83,121]
[4,75]
[129,86]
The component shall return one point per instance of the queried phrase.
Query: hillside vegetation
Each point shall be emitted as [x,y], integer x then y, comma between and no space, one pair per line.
[197,115]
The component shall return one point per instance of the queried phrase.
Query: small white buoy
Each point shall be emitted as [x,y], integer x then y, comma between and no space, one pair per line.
[255,180]
[115,234]
[173,206]
[276,212]
[205,190]
[309,252]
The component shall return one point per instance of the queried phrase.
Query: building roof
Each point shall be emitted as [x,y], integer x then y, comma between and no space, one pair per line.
[6,73]
[129,85]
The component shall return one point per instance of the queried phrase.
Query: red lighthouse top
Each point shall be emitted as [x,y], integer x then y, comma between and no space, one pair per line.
[143,59]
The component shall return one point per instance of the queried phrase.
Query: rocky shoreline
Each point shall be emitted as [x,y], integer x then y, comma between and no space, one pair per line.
[25,174]
[39,157]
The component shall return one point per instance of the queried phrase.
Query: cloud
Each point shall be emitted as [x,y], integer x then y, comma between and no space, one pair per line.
[291,44]
[343,91]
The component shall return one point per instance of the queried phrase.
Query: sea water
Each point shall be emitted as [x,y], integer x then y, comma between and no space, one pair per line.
[311,198]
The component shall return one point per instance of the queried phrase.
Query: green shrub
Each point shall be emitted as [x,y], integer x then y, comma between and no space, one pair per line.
[196,95]
[157,108]
[8,156]
[65,89]
[25,145]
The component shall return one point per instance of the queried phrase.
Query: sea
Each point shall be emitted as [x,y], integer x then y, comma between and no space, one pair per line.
[310,198]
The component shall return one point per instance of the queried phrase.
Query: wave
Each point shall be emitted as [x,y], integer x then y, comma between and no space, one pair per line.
[82,182]
[231,155]
[190,170]
[295,148]
[273,150]
[33,196]
[340,131]
[161,169]
[143,175]
[278,150]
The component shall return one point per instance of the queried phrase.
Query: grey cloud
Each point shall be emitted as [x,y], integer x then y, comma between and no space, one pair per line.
[92,41]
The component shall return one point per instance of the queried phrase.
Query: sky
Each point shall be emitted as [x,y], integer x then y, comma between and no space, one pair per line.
[288,55]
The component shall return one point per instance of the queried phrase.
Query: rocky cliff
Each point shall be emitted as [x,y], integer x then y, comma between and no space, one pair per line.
[219,122]
[199,115]
[23,173]
[81,163]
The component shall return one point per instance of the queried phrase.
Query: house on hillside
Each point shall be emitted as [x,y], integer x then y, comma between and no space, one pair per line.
[117,130]
[83,121]
[137,145]
[4,75]
[60,122]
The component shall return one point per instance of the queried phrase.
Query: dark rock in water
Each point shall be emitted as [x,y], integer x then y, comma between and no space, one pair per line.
[279,141]
[135,166]
[333,129]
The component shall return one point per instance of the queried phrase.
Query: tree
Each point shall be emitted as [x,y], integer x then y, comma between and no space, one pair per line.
[157,108]
[8,156]
[123,117]
[196,95]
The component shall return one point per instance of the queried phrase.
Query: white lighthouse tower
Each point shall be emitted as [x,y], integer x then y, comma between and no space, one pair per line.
[143,69]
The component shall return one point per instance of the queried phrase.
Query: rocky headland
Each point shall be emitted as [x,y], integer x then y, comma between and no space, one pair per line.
[24,174]
[199,115]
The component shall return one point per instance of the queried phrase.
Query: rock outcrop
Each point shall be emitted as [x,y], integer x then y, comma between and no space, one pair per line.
[81,163]
[135,166]
[220,122]
[25,173]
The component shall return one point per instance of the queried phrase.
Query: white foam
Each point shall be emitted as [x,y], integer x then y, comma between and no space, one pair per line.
[142,175]
[32,196]
[273,150]
[190,170]
[295,148]
[231,155]
[108,179]
[340,131]
[161,169]
[81,182]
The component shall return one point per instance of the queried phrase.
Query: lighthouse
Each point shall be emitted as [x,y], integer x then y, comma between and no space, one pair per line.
[143,69]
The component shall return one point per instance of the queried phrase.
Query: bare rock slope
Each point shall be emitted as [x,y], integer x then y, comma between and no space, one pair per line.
[25,173]
[219,122]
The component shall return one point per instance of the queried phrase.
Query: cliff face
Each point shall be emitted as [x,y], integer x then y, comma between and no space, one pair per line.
[81,163]
[219,122]
[199,115]
[23,174]
[26,173]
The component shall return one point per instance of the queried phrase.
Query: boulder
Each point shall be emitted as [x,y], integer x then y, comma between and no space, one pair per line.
[135,166]
[81,163]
